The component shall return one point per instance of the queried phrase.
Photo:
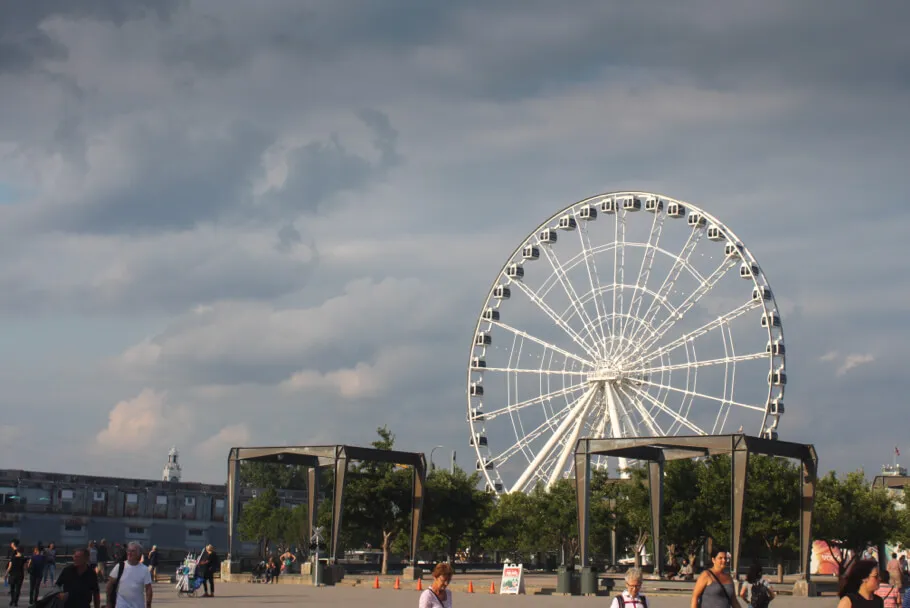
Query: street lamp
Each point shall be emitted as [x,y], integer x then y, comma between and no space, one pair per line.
[433,466]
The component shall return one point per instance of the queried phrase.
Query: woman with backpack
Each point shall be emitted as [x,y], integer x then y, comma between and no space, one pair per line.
[890,594]
[756,590]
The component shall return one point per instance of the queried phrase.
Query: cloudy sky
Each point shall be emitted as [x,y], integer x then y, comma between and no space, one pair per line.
[225,224]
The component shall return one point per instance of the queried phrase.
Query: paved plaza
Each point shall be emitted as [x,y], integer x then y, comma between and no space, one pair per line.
[246,594]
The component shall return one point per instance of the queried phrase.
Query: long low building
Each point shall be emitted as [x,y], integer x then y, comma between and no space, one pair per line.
[71,510]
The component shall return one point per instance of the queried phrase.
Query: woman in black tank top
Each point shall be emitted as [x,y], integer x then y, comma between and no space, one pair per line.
[857,589]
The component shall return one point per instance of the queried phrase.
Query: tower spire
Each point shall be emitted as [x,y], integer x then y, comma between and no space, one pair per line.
[172,468]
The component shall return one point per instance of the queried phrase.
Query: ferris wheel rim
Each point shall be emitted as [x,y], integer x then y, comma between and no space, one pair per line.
[768,306]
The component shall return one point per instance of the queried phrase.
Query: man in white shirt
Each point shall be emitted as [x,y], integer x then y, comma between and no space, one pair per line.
[631,597]
[135,580]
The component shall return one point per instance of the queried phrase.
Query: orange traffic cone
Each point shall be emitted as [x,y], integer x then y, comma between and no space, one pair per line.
[470,586]
[376,583]
[397,583]
[419,585]
[492,587]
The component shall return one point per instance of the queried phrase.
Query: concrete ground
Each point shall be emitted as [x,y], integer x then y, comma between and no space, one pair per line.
[246,594]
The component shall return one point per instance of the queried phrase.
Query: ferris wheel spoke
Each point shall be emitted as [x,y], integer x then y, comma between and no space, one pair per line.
[516,370]
[704,363]
[556,318]
[619,240]
[534,401]
[678,314]
[644,271]
[568,448]
[543,343]
[594,279]
[683,421]
[575,412]
[680,262]
[703,396]
[570,293]
[526,440]
[602,416]
[729,375]
[695,333]
[646,416]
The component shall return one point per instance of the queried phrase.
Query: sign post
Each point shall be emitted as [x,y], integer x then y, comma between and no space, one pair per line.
[513,580]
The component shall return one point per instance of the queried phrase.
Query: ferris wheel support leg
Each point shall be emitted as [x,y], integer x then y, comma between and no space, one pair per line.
[541,457]
[569,448]
[613,405]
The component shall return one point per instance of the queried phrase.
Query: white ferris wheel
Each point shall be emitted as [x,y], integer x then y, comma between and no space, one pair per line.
[626,314]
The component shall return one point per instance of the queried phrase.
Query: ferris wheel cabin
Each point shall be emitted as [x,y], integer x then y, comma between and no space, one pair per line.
[676,210]
[714,233]
[478,363]
[530,252]
[483,339]
[748,270]
[776,407]
[515,271]
[732,249]
[481,441]
[770,319]
[588,212]
[696,220]
[567,222]
[776,348]
[481,465]
[491,314]
[477,414]
[778,378]
[547,236]
[654,205]
[501,292]
[632,203]
[608,205]
[476,389]
[761,293]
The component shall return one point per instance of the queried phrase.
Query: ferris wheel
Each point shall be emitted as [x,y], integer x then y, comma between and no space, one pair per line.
[626,314]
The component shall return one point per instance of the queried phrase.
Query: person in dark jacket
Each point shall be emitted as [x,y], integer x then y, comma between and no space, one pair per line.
[207,567]
[35,572]
[79,583]
[103,557]
[15,574]
[152,562]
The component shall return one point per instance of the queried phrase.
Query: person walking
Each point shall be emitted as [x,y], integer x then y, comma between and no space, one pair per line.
[714,586]
[438,595]
[207,566]
[756,590]
[631,596]
[888,590]
[152,562]
[79,583]
[15,573]
[858,587]
[35,569]
[93,556]
[50,564]
[103,557]
[128,581]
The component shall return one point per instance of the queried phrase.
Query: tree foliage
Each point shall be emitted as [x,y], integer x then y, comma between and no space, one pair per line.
[455,511]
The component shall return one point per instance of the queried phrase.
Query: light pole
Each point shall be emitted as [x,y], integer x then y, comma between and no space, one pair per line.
[433,466]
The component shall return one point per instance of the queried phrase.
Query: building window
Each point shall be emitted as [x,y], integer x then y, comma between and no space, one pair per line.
[66,494]
[73,527]
[195,532]
[189,501]
[132,499]
[161,499]
[98,496]
[136,531]
[7,524]
[218,511]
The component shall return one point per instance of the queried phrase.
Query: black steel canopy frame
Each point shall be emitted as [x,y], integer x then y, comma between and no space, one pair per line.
[316,457]
[658,450]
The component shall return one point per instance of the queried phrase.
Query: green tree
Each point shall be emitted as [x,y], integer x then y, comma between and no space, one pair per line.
[851,515]
[264,521]
[377,506]
[772,509]
[256,474]
[454,510]
[684,522]
[509,526]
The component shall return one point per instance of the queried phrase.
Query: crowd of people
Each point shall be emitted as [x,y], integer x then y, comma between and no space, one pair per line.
[79,584]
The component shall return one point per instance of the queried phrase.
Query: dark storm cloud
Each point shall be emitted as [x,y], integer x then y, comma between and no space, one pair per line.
[23,43]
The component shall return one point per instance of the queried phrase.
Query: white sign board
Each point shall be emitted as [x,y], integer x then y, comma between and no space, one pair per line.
[513,580]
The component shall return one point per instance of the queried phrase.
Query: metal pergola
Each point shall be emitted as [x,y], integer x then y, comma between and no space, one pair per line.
[315,458]
[658,450]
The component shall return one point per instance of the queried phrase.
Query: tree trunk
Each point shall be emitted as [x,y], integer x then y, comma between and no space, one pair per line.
[386,545]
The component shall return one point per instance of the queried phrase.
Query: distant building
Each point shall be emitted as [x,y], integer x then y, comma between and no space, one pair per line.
[172,468]
[74,509]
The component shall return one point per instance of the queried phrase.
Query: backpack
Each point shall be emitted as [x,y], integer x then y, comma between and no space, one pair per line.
[761,595]
[622,602]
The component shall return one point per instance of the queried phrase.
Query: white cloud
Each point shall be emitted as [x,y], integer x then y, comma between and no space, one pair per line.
[829,356]
[392,365]
[144,421]
[854,361]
